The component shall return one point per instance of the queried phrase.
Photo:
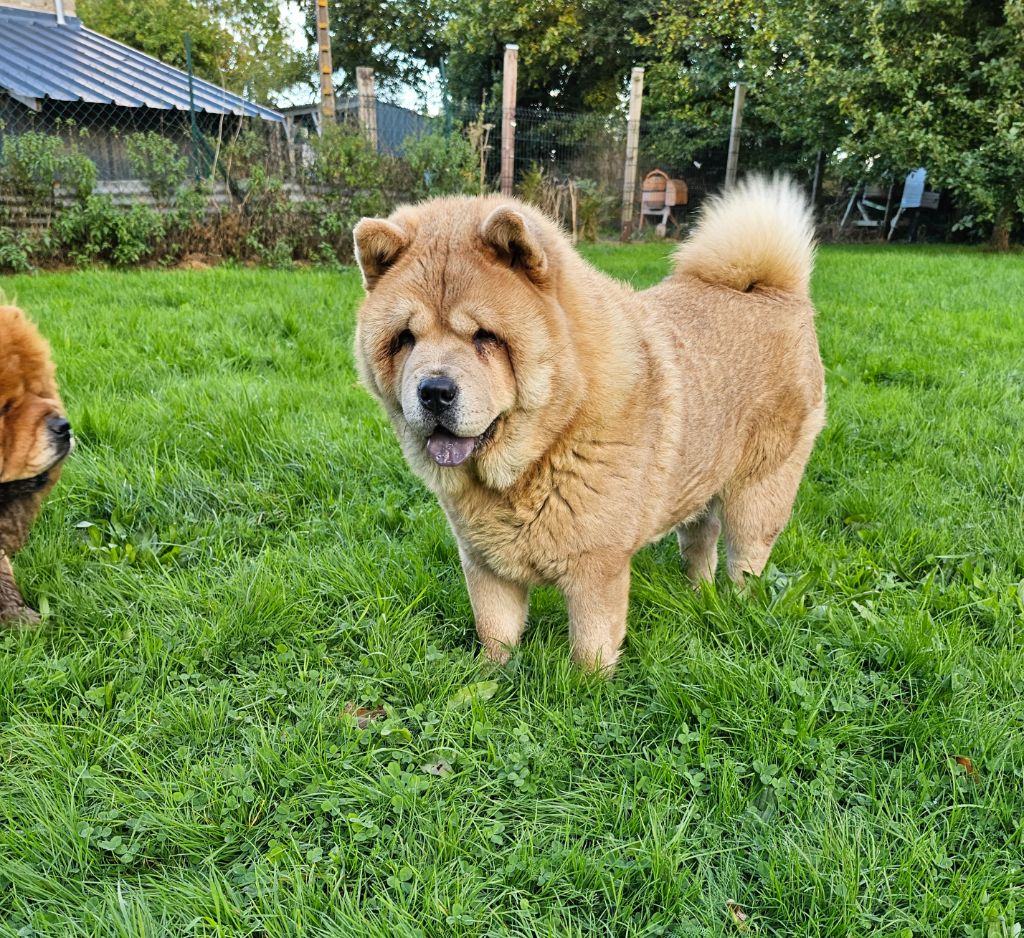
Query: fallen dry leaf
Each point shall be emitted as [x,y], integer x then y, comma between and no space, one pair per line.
[738,916]
[967,766]
[438,767]
[364,716]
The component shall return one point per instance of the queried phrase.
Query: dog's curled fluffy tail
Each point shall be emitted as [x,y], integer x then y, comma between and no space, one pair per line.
[759,234]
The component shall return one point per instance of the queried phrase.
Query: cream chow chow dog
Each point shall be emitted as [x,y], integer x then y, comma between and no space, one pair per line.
[565,420]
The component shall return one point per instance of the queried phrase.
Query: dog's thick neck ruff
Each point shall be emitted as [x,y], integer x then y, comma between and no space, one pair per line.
[18,488]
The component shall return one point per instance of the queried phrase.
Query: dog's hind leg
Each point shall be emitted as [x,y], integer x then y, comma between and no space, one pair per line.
[698,544]
[755,511]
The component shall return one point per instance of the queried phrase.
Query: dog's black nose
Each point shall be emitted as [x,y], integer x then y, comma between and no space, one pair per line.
[59,427]
[437,394]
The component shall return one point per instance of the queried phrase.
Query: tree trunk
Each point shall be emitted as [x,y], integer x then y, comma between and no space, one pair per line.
[1000,240]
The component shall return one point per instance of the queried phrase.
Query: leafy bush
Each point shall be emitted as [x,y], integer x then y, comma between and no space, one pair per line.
[158,160]
[345,160]
[594,206]
[97,230]
[242,154]
[441,164]
[268,220]
[33,165]
[348,180]
[331,241]
[15,251]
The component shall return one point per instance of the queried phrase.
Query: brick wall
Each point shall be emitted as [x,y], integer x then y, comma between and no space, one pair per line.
[40,6]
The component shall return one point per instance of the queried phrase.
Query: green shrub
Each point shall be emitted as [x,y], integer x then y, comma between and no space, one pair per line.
[242,154]
[333,237]
[594,207]
[158,160]
[97,230]
[351,174]
[532,184]
[348,180]
[441,164]
[269,218]
[345,159]
[15,251]
[33,165]
[268,221]
[186,224]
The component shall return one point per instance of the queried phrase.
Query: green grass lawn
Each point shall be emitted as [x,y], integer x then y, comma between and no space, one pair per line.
[236,559]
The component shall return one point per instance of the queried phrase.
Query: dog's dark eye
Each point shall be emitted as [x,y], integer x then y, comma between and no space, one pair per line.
[5,408]
[404,339]
[483,337]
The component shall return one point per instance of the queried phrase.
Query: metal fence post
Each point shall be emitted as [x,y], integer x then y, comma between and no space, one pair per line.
[636,96]
[819,171]
[446,101]
[508,118]
[734,134]
[194,129]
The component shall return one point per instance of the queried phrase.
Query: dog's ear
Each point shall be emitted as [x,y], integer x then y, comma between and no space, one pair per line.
[508,233]
[379,243]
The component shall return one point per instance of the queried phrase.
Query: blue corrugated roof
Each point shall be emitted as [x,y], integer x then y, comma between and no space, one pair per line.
[40,58]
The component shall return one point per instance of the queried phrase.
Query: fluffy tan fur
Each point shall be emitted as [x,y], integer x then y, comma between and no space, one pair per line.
[31,453]
[769,254]
[613,416]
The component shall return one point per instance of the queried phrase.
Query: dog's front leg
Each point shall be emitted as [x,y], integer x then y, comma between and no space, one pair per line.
[597,594]
[499,608]
[13,609]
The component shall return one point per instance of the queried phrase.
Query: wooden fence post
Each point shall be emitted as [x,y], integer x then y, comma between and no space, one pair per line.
[327,108]
[367,103]
[508,118]
[734,135]
[636,94]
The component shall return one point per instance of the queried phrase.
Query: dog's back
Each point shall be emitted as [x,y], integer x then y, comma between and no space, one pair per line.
[736,310]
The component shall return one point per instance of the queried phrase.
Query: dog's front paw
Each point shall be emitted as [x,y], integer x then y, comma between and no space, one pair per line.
[20,617]
[497,653]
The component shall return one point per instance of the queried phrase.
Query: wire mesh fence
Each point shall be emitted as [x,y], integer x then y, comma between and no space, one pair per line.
[55,155]
[585,153]
[549,145]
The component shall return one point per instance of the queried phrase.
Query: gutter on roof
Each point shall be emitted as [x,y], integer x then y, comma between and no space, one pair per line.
[33,104]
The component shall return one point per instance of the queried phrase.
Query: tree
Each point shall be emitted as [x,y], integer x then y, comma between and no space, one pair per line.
[699,49]
[940,84]
[884,87]
[400,41]
[243,46]
[694,52]
[575,54]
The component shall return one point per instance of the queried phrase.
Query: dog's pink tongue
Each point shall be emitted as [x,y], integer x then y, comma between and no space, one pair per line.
[450,450]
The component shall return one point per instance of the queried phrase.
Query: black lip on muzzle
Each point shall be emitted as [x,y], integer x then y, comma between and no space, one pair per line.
[488,434]
[66,442]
